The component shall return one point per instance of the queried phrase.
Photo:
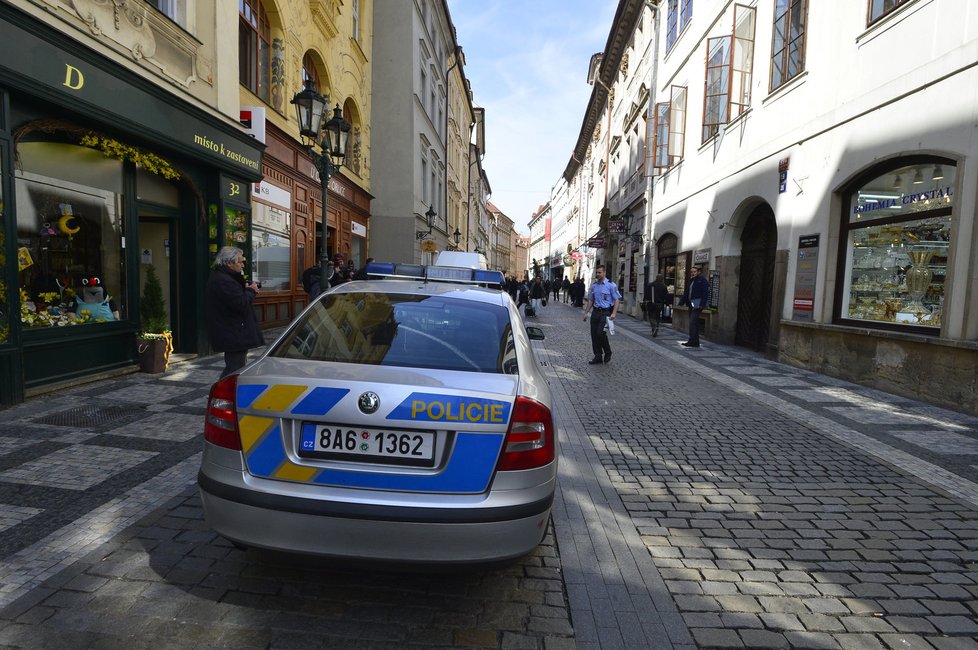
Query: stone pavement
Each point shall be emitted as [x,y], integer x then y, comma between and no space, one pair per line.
[707,498]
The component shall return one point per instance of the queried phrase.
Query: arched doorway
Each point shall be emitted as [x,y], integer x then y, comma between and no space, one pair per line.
[758,247]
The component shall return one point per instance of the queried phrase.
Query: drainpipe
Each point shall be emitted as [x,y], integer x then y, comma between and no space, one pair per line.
[448,97]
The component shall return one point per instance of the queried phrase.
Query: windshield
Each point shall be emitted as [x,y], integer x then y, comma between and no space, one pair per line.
[404,330]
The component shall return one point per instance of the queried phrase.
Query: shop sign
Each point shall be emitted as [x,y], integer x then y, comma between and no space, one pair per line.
[577,255]
[264,191]
[358,229]
[252,118]
[783,175]
[702,256]
[803,304]
[49,69]
[595,242]
[234,190]
[616,226]
[429,246]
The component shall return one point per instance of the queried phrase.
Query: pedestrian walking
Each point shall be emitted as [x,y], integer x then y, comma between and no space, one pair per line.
[566,288]
[697,293]
[537,294]
[656,299]
[555,289]
[602,305]
[578,291]
[231,323]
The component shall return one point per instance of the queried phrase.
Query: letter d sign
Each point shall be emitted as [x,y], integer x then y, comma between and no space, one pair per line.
[74,78]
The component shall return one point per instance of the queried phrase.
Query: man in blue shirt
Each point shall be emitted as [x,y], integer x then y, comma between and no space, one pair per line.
[697,293]
[602,303]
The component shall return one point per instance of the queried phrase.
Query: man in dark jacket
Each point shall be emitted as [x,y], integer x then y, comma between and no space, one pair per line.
[231,323]
[697,293]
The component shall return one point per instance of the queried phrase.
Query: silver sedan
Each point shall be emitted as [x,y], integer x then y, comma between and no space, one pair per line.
[400,418]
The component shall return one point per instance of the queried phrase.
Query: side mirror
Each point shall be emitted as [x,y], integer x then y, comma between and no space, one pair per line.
[535,333]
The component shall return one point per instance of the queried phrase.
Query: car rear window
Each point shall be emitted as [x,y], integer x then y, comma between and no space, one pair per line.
[404,330]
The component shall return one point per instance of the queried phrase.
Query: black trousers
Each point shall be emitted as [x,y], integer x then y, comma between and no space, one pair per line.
[599,338]
[234,360]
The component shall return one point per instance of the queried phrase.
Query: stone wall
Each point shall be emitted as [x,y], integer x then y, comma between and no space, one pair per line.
[930,369]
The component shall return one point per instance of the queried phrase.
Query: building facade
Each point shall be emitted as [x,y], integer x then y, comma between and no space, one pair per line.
[119,145]
[424,129]
[282,48]
[814,163]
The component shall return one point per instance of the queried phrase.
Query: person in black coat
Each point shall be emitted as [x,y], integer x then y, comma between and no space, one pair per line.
[231,323]
[656,298]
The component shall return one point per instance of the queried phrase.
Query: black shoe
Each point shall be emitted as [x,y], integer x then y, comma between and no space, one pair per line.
[687,344]
[595,360]
[655,332]
[607,358]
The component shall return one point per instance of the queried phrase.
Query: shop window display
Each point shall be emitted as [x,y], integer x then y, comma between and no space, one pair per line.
[898,234]
[70,231]
[271,247]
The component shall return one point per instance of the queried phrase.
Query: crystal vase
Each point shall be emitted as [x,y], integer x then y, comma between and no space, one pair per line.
[918,280]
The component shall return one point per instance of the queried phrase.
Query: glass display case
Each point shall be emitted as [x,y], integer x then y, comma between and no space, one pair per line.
[898,272]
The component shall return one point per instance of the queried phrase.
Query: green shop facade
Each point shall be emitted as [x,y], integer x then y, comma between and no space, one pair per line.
[104,175]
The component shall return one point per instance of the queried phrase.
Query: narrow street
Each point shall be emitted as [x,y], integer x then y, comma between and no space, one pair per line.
[707,498]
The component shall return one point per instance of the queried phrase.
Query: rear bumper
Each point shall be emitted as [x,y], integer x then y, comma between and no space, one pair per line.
[428,535]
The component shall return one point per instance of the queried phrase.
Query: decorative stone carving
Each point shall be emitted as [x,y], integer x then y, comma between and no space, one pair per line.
[324,13]
[123,21]
[278,73]
[357,144]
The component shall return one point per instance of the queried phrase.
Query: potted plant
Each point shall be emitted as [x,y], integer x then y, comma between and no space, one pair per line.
[155,341]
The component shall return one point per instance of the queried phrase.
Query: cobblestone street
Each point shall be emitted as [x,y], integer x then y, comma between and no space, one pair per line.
[707,498]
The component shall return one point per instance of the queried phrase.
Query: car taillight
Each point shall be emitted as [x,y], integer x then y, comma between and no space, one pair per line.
[530,440]
[221,421]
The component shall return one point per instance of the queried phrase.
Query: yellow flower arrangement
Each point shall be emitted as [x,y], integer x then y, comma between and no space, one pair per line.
[112,148]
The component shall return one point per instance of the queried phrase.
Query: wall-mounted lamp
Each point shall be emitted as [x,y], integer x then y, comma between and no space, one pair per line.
[430,220]
[724,225]
[458,236]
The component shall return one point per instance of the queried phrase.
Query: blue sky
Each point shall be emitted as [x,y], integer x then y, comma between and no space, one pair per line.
[527,61]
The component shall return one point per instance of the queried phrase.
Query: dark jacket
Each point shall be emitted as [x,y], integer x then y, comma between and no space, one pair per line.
[231,322]
[657,293]
[697,289]
[537,290]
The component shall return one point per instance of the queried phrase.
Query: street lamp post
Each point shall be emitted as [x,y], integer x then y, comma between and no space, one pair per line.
[309,108]
[429,218]
[458,237]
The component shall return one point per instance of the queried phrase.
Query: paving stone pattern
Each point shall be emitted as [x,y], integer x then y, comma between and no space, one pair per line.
[707,498]
[767,531]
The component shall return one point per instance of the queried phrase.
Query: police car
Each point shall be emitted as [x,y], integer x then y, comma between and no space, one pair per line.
[404,418]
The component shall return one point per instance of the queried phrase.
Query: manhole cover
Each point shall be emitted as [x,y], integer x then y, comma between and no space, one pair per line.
[93,417]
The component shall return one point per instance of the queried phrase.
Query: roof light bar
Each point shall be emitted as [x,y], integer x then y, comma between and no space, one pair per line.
[459,274]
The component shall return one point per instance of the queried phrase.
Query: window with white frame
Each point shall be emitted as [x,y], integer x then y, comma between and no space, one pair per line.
[175,10]
[788,46]
[355,10]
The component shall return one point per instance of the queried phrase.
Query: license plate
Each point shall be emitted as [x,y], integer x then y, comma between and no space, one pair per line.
[347,443]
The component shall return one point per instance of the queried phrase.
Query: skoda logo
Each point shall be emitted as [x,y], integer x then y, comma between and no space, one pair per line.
[369,402]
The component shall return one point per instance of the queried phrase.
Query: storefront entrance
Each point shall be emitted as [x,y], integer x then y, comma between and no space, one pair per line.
[158,248]
[759,243]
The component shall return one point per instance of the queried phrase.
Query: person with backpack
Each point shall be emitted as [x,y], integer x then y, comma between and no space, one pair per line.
[311,278]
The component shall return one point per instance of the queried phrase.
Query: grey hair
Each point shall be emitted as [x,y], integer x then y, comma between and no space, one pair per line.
[227,255]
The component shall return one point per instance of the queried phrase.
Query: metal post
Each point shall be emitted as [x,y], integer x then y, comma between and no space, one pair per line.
[325,168]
